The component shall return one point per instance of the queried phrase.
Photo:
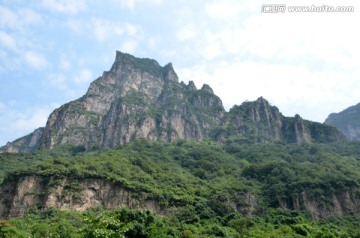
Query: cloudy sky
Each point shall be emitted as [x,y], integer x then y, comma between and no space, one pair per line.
[301,62]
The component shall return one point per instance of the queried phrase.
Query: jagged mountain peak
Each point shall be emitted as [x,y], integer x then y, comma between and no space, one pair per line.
[258,103]
[169,73]
[261,99]
[192,86]
[138,98]
[142,63]
[125,61]
[207,88]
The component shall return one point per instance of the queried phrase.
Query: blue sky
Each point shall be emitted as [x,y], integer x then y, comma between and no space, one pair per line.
[50,51]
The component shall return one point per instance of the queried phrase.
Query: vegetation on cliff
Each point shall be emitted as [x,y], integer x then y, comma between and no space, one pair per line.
[207,189]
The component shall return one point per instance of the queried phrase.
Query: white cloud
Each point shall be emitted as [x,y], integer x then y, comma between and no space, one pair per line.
[65,6]
[19,19]
[106,29]
[153,42]
[35,60]
[131,30]
[58,80]
[75,25]
[238,29]
[294,89]
[8,63]
[129,46]
[7,17]
[70,89]
[15,26]
[64,64]
[303,63]
[20,122]
[29,16]
[229,9]
[7,41]
[131,4]
[35,117]
[186,32]
[71,80]
[2,106]
[84,77]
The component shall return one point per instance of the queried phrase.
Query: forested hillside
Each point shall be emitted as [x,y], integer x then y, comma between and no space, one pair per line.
[197,189]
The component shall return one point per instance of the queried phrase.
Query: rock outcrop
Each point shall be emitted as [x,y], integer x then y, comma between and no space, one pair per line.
[259,122]
[347,121]
[20,194]
[338,204]
[28,143]
[138,98]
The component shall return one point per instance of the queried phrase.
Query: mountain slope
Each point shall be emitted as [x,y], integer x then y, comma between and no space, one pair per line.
[259,122]
[28,143]
[138,98]
[347,121]
[205,179]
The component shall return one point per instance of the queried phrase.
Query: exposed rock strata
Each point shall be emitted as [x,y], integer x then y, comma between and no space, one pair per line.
[19,195]
[259,122]
[338,204]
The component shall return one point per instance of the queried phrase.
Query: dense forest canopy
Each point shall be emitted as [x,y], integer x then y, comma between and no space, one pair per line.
[201,186]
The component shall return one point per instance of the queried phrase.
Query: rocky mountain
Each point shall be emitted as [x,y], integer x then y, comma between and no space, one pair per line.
[28,143]
[259,122]
[347,121]
[138,98]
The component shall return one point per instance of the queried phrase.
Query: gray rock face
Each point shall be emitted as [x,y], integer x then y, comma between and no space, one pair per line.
[339,204]
[259,122]
[18,196]
[28,143]
[347,121]
[138,98]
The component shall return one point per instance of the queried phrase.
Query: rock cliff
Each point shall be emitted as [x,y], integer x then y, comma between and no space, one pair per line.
[28,143]
[138,98]
[259,122]
[338,204]
[347,121]
[21,194]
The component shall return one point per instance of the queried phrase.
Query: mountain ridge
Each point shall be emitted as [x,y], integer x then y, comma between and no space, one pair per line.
[138,98]
[347,121]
